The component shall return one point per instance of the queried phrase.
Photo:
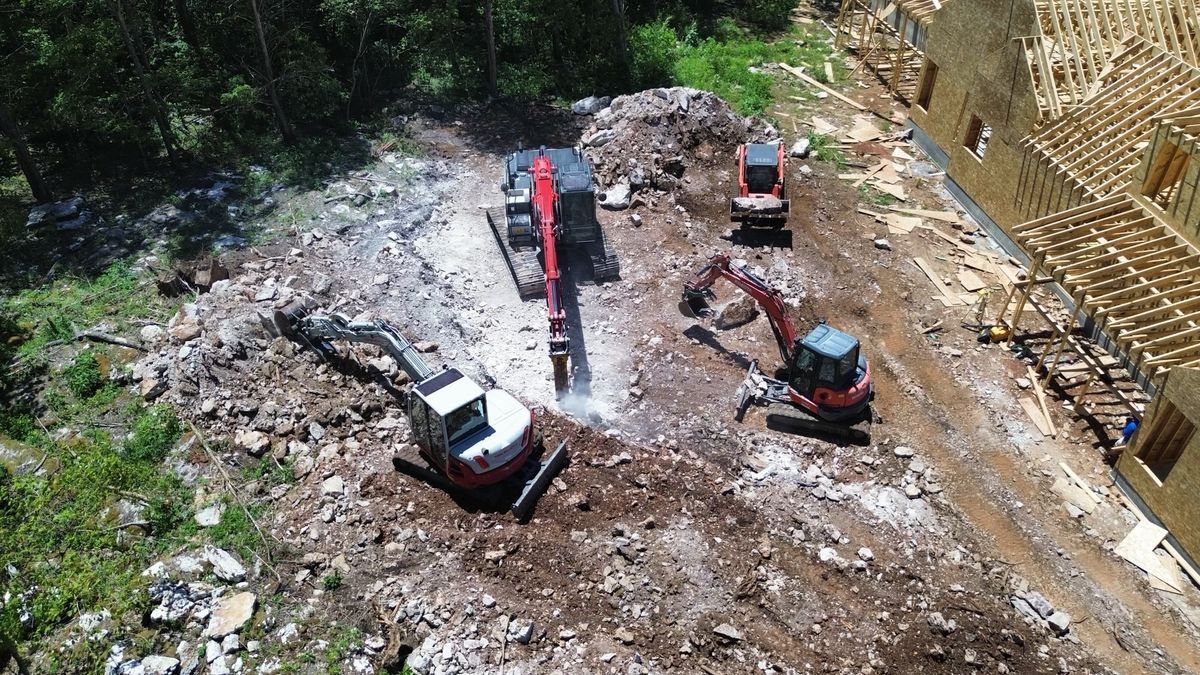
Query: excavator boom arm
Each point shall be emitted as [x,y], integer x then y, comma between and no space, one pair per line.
[545,204]
[325,328]
[720,267]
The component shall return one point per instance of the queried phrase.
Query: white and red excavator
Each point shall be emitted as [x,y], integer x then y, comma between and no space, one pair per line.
[476,443]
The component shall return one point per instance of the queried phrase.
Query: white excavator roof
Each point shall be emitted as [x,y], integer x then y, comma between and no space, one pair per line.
[448,391]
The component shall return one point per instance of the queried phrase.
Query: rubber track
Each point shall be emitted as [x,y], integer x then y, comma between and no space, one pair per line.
[605,265]
[791,417]
[522,263]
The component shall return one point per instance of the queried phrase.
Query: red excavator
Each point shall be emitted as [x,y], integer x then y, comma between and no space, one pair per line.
[760,197]
[826,381]
[550,200]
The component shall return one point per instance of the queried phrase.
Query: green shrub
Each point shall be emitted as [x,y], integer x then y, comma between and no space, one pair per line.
[724,69]
[154,432]
[332,582]
[236,531]
[824,149]
[652,53]
[83,376]
[770,14]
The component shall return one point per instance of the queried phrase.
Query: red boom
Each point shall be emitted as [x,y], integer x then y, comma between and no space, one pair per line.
[770,299]
[545,204]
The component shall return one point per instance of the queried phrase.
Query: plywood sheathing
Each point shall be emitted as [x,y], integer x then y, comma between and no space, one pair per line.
[1095,149]
[888,36]
[1078,39]
[1128,270]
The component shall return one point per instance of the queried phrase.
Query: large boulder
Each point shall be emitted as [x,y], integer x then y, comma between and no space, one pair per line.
[224,565]
[617,197]
[737,313]
[590,105]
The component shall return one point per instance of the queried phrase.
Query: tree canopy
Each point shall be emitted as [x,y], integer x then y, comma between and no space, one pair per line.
[99,86]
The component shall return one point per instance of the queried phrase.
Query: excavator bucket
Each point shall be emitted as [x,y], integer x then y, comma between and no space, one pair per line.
[759,208]
[548,468]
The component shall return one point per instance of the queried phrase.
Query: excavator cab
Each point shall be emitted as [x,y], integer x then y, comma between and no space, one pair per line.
[827,369]
[474,437]
[762,168]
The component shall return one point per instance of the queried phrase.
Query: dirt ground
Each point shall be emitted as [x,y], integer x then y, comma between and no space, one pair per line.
[678,540]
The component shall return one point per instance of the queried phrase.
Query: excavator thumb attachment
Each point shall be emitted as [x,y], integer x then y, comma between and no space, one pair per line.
[747,392]
[535,485]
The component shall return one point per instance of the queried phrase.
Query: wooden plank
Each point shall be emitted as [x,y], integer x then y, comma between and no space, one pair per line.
[893,190]
[1083,485]
[936,281]
[1069,491]
[1041,398]
[829,71]
[808,80]
[971,281]
[1192,572]
[1138,548]
[904,224]
[870,172]
[1035,414]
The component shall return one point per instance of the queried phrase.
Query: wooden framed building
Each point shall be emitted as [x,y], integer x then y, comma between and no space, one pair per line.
[1013,91]
[1129,273]
[1095,149]
[889,37]
[1161,466]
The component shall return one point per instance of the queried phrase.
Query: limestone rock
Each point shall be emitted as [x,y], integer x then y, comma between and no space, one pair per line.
[737,313]
[230,614]
[224,565]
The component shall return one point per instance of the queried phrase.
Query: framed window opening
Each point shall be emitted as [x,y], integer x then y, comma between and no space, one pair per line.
[978,135]
[928,79]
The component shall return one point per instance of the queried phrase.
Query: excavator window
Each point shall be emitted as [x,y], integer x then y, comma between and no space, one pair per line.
[419,414]
[827,374]
[437,437]
[803,371]
[465,421]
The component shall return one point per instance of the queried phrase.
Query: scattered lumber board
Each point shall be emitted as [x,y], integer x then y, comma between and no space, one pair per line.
[1035,414]
[808,80]
[1041,397]
[971,281]
[947,298]
[1081,483]
[944,216]
[893,190]
[1073,494]
[903,224]
[1138,548]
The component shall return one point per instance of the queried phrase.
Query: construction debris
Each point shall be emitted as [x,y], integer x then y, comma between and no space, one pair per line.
[654,137]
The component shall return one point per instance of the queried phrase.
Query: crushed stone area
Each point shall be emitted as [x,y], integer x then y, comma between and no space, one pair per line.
[676,540]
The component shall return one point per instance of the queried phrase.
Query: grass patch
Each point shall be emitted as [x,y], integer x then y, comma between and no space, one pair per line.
[154,431]
[730,63]
[332,582]
[83,376]
[339,646]
[56,312]
[69,538]
[825,149]
[870,195]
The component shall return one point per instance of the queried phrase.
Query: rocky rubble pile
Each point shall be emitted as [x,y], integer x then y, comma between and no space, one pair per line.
[648,140]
